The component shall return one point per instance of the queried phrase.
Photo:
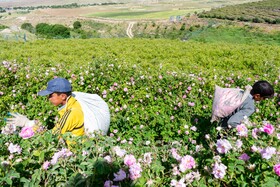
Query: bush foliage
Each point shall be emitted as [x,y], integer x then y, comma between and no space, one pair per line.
[257,12]
[52,31]
[160,96]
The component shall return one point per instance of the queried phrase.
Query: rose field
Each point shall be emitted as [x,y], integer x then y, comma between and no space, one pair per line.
[160,95]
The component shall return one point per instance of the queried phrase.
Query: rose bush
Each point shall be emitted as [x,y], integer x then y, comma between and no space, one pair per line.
[232,160]
[160,99]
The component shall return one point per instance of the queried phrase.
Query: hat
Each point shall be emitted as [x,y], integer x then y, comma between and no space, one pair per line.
[56,85]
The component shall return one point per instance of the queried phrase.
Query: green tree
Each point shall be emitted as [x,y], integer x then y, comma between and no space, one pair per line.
[42,28]
[28,26]
[60,31]
[52,31]
[77,25]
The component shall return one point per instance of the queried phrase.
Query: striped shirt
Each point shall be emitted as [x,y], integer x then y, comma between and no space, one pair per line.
[71,118]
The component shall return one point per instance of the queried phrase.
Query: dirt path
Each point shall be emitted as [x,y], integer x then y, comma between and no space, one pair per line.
[129,30]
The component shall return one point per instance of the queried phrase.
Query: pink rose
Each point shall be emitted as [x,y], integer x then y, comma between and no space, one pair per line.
[187,162]
[277,169]
[108,183]
[46,165]
[135,171]
[242,130]
[223,146]
[219,170]
[121,175]
[191,104]
[244,157]
[129,160]
[268,128]
[26,132]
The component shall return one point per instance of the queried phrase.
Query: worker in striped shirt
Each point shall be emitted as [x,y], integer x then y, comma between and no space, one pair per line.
[59,92]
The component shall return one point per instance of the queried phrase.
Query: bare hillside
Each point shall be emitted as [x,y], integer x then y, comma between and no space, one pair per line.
[24,3]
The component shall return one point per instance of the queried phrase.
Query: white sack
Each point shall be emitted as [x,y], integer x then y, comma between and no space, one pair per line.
[227,100]
[96,112]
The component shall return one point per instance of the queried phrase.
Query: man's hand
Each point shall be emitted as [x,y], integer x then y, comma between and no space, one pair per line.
[20,120]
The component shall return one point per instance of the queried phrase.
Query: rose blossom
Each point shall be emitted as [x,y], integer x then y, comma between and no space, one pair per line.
[244,157]
[8,129]
[277,169]
[108,183]
[85,153]
[242,130]
[147,158]
[268,128]
[254,148]
[108,158]
[26,132]
[14,148]
[187,162]
[268,152]
[195,175]
[135,171]
[217,159]
[175,171]
[175,154]
[121,175]
[180,183]
[238,144]
[191,104]
[193,128]
[219,170]
[129,160]
[64,153]
[223,146]
[46,165]
[120,152]
[254,133]
[189,178]
[150,182]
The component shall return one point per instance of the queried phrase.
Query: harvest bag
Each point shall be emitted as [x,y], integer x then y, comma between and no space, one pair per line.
[96,112]
[226,100]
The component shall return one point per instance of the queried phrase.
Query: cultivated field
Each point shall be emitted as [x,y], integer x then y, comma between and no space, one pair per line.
[159,91]
[160,95]
[24,3]
[128,11]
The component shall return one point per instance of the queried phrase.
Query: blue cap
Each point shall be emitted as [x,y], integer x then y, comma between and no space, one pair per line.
[56,85]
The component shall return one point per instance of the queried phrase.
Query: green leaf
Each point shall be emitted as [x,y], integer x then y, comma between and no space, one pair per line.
[8,180]
[271,182]
[231,167]
[24,180]
[240,168]
[36,153]
[84,163]
[42,156]
[239,162]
